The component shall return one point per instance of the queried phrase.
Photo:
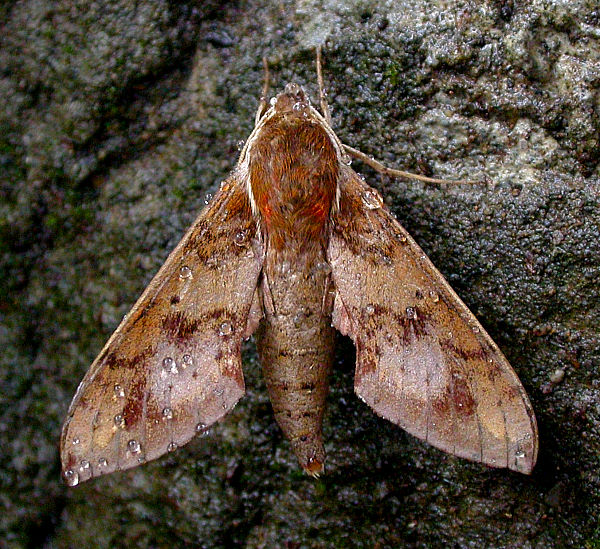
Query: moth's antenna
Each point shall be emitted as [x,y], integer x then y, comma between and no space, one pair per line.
[262,106]
[324,106]
[378,166]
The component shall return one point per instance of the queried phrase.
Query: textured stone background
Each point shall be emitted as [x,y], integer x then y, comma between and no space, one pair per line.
[116,120]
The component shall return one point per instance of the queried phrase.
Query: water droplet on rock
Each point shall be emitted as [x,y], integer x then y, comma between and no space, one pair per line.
[557,376]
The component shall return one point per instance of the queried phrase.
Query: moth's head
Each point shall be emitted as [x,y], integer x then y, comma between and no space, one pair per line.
[292,99]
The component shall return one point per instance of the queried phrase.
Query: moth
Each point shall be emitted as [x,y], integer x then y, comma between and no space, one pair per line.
[293,246]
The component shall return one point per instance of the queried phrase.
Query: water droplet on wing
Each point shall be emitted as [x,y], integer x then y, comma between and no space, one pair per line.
[240,238]
[225,328]
[134,446]
[372,199]
[72,477]
[169,365]
[185,272]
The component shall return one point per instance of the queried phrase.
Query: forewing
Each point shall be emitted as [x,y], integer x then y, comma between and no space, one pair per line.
[423,360]
[173,367]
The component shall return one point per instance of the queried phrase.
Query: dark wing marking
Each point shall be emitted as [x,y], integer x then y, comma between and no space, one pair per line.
[173,366]
[423,360]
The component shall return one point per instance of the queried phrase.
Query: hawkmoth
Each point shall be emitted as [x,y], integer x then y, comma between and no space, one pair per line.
[293,246]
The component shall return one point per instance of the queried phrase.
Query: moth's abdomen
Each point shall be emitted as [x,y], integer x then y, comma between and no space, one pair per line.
[295,343]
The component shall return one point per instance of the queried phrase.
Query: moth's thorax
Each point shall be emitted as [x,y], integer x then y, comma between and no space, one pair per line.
[293,170]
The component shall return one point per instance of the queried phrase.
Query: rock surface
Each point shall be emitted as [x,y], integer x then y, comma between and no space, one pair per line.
[118,119]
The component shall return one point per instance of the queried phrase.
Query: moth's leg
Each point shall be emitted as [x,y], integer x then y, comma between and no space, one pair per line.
[266,296]
[328,297]
[262,106]
[324,106]
[378,166]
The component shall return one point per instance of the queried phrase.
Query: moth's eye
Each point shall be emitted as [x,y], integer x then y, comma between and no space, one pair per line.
[303,438]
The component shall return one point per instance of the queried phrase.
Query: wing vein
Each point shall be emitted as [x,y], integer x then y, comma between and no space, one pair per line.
[506,441]
[144,433]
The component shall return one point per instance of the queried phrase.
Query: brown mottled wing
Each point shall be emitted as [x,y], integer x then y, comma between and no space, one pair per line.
[423,360]
[173,366]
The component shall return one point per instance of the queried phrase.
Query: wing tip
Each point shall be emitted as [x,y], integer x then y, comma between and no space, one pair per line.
[519,456]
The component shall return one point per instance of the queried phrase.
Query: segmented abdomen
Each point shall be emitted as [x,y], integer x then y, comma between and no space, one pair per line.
[295,343]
